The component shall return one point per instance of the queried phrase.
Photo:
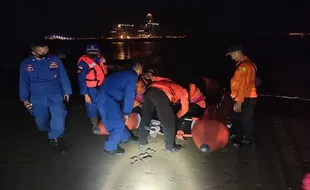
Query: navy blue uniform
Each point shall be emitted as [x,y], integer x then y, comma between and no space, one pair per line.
[114,100]
[44,83]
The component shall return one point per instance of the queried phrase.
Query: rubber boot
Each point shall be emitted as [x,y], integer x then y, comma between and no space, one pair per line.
[59,145]
[94,122]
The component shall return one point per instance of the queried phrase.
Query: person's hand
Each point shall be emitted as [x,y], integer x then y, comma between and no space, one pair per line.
[87,99]
[126,119]
[237,107]
[27,104]
[67,98]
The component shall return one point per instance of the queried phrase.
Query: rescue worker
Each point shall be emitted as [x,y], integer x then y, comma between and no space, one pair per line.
[143,82]
[160,95]
[43,86]
[244,95]
[115,101]
[197,102]
[92,70]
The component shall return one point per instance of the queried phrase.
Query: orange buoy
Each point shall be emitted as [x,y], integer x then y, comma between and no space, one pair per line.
[133,123]
[209,135]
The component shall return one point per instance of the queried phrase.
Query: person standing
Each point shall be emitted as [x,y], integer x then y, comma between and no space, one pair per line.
[244,95]
[92,70]
[43,86]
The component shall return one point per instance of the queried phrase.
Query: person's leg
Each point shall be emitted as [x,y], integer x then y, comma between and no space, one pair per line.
[57,123]
[113,121]
[41,113]
[147,113]
[92,111]
[167,117]
[247,119]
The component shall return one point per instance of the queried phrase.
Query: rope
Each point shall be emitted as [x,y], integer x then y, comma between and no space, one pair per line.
[286,97]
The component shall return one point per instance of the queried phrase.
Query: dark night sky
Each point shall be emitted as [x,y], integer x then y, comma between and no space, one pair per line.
[95,17]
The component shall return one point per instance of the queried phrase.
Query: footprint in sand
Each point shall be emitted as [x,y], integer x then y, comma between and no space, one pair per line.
[145,156]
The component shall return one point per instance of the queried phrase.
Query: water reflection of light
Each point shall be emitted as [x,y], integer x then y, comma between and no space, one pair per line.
[122,50]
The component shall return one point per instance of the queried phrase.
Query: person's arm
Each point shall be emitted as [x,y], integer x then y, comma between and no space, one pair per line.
[82,70]
[129,97]
[24,84]
[244,75]
[184,104]
[64,79]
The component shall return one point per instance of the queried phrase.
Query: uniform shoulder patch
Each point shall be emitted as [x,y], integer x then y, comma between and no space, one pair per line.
[53,65]
[242,69]
[79,69]
[29,67]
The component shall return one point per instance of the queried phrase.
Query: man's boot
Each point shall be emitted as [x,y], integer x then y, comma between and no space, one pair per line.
[59,145]
[94,122]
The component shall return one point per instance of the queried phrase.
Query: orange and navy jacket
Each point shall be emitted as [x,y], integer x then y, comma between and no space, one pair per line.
[91,73]
[141,86]
[196,96]
[243,82]
[174,92]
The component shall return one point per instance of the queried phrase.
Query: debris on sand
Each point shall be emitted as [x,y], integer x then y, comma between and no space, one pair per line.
[145,156]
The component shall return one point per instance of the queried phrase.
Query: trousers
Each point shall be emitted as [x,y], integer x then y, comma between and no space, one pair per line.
[112,118]
[91,109]
[50,114]
[155,99]
[242,123]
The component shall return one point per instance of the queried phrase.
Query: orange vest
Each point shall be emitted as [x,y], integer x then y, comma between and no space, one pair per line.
[175,93]
[243,82]
[196,97]
[139,93]
[97,72]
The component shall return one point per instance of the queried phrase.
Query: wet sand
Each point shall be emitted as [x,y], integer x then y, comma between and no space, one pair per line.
[29,163]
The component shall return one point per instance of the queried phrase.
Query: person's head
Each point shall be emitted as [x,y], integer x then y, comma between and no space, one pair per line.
[235,52]
[39,50]
[138,67]
[92,49]
[147,76]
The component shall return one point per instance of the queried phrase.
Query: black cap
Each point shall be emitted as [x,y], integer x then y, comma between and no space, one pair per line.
[234,48]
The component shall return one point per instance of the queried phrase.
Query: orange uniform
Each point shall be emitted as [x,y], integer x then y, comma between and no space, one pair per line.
[141,86]
[243,82]
[196,96]
[174,92]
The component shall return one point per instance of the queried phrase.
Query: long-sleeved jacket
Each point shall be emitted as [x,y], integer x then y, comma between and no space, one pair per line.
[174,92]
[120,87]
[43,77]
[196,96]
[243,82]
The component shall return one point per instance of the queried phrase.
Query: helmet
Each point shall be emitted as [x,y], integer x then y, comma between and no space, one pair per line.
[92,48]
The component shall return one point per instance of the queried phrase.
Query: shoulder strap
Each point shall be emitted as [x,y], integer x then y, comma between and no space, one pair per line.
[249,61]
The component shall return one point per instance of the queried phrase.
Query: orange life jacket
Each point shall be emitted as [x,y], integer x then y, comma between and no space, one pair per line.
[141,86]
[97,72]
[243,82]
[196,97]
[174,92]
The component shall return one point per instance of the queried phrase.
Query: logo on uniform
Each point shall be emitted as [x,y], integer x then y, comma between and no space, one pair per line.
[92,65]
[29,68]
[53,65]
[79,69]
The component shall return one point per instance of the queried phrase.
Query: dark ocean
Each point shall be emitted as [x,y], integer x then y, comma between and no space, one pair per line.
[283,62]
